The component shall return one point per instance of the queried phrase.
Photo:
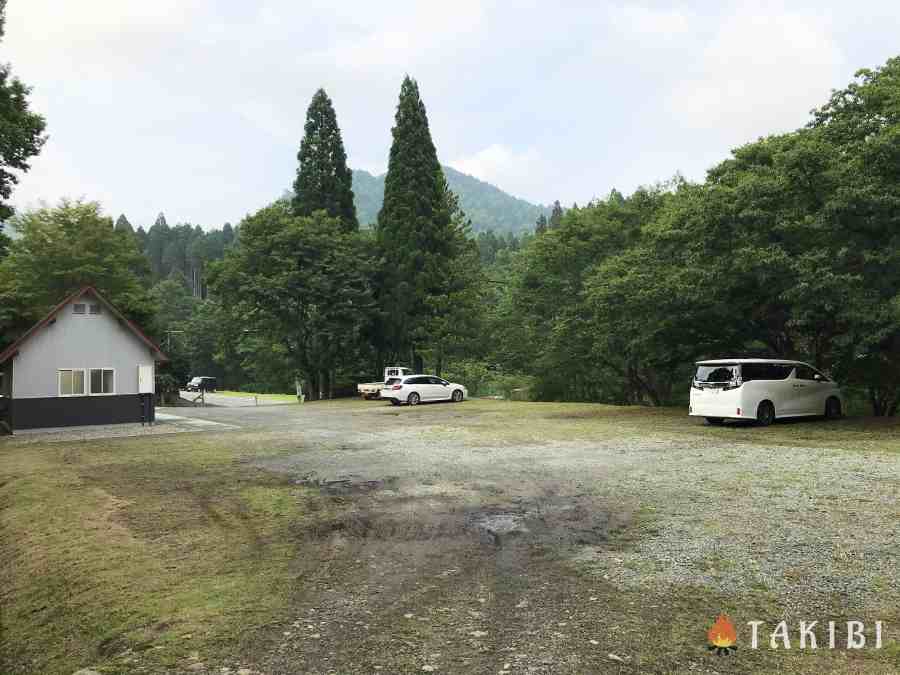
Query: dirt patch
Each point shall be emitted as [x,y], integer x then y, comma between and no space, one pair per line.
[347,485]
[377,509]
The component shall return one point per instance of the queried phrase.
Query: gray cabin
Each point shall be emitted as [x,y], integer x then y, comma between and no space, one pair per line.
[84,363]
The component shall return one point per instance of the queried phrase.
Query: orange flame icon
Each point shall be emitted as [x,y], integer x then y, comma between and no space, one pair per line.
[722,635]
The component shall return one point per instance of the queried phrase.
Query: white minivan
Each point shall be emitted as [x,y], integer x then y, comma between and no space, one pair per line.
[762,390]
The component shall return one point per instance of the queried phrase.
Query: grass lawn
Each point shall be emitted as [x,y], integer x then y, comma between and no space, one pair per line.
[507,422]
[155,553]
[262,397]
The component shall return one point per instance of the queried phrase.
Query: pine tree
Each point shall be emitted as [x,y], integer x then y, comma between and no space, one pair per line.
[122,225]
[323,179]
[415,225]
[540,225]
[227,234]
[555,215]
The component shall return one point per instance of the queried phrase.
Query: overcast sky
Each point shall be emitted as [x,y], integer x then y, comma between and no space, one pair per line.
[196,107]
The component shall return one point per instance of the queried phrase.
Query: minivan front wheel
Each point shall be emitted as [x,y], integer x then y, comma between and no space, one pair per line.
[765,414]
[832,408]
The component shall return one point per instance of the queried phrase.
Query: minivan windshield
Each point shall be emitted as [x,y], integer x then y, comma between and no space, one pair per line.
[720,372]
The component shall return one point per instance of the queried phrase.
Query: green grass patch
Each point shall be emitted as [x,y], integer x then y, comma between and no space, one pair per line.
[140,549]
[517,422]
[262,397]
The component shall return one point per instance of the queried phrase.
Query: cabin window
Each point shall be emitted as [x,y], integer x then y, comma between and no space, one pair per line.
[71,382]
[94,309]
[79,308]
[103,381]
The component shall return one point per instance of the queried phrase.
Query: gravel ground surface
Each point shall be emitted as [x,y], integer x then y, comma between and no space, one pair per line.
[724,518]
[166,423]
[488,537]
[549,554]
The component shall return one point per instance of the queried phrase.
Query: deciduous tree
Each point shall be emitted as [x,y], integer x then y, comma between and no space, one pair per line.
[60,250]
[21,131]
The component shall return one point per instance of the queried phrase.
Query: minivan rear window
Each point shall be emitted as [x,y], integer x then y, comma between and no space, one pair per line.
[720,372]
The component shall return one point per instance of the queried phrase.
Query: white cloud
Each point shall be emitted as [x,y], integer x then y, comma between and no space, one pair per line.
[645,21]
[761,73]
[110,34]
[521,173]
[396,37]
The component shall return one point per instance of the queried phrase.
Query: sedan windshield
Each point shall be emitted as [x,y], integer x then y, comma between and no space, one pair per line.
[720,372]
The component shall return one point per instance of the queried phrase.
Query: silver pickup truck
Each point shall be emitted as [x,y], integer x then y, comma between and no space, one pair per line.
[370,390]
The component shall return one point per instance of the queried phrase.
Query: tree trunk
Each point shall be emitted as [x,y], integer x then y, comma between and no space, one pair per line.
[330,384]
[416,362]
[877,403]
[312,386]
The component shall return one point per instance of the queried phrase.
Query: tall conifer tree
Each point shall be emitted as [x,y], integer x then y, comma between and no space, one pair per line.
[417,233]
[556,215]
[122,224]
[323,180]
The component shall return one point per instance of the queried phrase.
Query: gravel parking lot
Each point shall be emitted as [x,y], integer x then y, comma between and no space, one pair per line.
[570,504]
[481,537]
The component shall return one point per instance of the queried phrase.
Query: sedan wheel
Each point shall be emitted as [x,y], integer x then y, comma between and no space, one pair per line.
[413,399]
[457,396]
[765,414]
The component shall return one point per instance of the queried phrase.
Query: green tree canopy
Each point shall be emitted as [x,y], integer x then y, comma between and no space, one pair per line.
[21,131]
[122,224]
[60,250]
[301,283]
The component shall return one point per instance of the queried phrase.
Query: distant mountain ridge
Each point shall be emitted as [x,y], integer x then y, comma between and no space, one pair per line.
[487,206]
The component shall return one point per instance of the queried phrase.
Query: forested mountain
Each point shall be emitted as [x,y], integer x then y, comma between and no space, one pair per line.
[488,207]
[183,249]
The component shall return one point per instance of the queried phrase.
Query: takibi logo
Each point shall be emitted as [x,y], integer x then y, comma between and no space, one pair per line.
[722,636]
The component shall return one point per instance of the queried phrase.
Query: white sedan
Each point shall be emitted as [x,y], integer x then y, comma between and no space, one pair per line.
[415,389]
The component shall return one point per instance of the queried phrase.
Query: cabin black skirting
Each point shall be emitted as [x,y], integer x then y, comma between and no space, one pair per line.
[71,411]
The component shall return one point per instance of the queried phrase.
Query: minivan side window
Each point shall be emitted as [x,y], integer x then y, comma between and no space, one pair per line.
[755,371]
[805,373]
[765,371]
